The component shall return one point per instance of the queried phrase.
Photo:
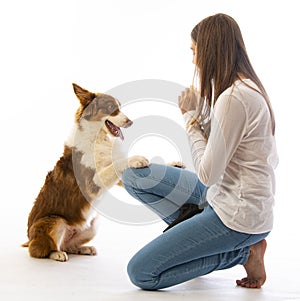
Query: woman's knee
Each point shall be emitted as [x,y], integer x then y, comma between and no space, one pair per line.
[139,276]
[133,272]
[127,177]
[131,175]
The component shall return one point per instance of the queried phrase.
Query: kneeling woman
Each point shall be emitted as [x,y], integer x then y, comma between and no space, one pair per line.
[230,125]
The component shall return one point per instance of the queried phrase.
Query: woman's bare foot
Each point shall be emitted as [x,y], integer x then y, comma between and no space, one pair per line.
[255,267]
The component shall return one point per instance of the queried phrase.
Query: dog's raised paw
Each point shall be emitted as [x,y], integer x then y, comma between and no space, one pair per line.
[138,162]
[59,256]
[177,164]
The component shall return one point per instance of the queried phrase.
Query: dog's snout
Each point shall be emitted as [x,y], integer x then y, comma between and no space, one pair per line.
[128,123]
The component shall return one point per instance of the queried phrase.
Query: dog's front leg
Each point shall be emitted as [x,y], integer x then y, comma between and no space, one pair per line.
[108,176]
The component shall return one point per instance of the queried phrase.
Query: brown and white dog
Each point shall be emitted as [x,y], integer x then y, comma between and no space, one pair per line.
[62,218]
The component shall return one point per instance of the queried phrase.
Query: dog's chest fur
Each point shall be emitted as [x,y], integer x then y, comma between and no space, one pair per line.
[70,188]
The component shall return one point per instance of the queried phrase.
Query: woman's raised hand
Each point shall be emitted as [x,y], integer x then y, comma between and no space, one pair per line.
[188,99]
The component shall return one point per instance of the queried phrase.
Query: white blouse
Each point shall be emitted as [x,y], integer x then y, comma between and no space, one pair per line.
[237,162]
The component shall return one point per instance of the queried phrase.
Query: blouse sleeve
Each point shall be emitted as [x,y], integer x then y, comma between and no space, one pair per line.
[228,124]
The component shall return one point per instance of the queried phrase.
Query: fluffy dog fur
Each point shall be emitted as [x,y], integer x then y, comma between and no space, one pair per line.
[62,219]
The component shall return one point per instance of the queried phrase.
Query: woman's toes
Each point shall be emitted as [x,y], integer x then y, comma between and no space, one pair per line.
[241,282]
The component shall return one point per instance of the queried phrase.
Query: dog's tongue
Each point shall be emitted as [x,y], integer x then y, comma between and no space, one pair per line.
[120,134]
[115,130]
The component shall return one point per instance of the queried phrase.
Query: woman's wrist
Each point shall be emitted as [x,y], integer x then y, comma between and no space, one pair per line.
[187,116]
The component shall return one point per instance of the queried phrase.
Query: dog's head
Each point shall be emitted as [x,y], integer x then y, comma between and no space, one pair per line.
[101,107]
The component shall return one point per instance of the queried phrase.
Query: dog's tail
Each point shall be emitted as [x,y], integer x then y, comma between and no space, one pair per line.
[25,245]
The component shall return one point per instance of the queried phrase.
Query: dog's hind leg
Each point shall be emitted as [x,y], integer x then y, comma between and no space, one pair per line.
[45,238]
[76,244]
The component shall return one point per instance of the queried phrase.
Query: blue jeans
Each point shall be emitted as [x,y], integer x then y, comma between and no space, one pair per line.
[194,247]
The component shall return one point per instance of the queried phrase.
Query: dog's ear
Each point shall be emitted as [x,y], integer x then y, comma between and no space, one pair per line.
[84,96]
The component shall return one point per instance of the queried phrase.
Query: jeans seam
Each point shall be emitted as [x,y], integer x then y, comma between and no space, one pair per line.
[142,201]
[181,189]
[238,246]
[243,257]
[187,248]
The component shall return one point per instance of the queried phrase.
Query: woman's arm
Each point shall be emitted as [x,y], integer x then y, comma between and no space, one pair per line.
[228,123]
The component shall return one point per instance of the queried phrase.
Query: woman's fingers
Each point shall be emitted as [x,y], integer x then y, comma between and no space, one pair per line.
[187,100]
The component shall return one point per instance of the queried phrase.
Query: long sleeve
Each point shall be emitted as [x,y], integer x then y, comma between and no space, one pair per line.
[228,124]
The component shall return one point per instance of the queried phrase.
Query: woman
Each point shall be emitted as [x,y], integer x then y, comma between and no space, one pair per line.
[231,126]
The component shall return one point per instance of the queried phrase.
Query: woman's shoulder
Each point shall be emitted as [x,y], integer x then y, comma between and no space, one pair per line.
[246,87]
[244,91]
[243,96]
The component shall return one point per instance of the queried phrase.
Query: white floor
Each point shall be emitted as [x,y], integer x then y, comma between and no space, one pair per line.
[103,277]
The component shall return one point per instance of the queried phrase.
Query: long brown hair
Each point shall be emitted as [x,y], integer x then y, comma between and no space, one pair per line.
[221,58]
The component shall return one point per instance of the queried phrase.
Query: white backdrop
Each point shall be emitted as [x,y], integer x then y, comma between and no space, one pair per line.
[47,45]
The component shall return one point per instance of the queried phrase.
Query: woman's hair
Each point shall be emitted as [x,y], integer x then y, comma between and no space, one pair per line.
[221,59]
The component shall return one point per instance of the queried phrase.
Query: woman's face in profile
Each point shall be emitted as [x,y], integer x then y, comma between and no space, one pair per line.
[194,49]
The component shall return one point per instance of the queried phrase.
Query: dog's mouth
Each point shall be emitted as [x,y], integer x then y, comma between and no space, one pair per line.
[114,130]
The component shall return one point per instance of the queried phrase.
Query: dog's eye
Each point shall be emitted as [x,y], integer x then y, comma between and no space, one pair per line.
[112,108]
